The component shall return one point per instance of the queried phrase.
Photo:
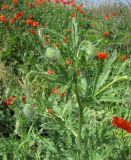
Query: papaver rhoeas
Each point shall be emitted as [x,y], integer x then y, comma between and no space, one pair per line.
[5,6]
[50,110]
[23,98]
[15,1]
[79,6]
[124,57]
[3,18]
[55,90]
[107,17]
[29,21]
[119,122]
[106,33]
[101,55]
[12,20]
[72,15]
[18,15]
[81,11]
[67,1]
[35,24]
[30,5]
[50,71]
[32,31]
[9,101]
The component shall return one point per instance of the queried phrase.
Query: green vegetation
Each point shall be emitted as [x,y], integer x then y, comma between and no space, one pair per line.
[65,81]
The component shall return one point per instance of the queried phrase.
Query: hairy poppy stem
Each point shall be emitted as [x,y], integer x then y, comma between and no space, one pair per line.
[80,119]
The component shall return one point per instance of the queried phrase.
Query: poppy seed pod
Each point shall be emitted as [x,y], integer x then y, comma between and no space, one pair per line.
[53,54]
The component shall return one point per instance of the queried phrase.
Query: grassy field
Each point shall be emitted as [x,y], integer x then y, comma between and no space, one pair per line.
[65,81]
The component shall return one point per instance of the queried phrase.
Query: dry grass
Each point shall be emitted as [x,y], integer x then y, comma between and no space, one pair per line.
[2,71]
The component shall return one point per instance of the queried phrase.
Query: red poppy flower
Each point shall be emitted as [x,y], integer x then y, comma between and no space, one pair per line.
[81,11]
[50,110]
[66,38]
[72,15]
[9,101]
[101,55]
[3,18]
[47,41]
[50,71]
[107,17]
[23,98]
[12,20]
[29,21]
[56,44]
[119,122]
[79,6]
[15,1]
[46,36]
[56,1]
[18,15]
[106,33]
[72,4]
[55,90]
[35,24]
[5,6]
[124,57]
[32,31]
[30,5]
[67,1]
[114,14]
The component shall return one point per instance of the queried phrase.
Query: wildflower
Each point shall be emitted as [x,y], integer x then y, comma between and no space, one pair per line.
[72,15]
[15,2]
[107,17]
[67,2]
[106,33]
[9,101]
[50,110]
[79,6]
[46,36]
[101,55]
[35,24]
[29,21]
[23,98]
[113,14]
[124,57]
[68,61]
[66,38]
[81,11]
[30,5]
[5,6]
[12,20]
[56,44]
[56,1]
[72,4]
[47,41]
[32,31]
[3,18]
[50,71]
[119,122]
[18,15]
[78,72]
[55,90]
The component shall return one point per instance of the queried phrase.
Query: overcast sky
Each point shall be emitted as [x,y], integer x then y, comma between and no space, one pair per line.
[97,2]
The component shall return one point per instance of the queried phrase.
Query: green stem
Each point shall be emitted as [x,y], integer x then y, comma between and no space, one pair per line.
[80,120]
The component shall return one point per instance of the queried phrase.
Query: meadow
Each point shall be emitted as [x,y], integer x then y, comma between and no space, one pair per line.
[65,81]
